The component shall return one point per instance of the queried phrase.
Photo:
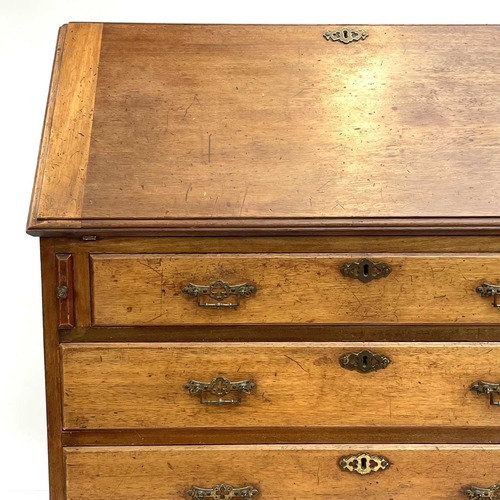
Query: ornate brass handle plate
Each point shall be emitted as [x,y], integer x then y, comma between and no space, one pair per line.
[218,291]
[223,491]
[366,270]
[364,361]
[214,392]
[345,35]
[364,463]
[475,493]
[487,290]
[482,387]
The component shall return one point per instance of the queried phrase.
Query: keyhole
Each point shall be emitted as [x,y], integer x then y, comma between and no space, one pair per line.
[366,269]
[363,463]
[365,361]
[346,33]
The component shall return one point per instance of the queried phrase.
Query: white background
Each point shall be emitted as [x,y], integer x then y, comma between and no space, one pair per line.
[28,30]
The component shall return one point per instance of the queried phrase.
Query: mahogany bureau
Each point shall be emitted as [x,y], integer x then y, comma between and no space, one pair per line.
[271,262]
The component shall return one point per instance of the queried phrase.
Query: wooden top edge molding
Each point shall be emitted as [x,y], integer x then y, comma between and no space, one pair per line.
[268,227]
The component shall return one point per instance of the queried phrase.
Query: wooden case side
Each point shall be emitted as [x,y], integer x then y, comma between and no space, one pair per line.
[52,370]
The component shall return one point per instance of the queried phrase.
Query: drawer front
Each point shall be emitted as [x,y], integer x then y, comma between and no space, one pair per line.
[153,289]
[281,472]
[302,384]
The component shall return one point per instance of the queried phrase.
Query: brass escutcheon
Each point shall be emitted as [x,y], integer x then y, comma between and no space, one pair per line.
[364,361]
[364,463]
[366,270]
[222,491]
[345,35]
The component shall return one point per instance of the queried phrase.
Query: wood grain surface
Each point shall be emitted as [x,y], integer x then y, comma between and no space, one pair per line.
[285,333]
[282,435]
[146,289]
[273,128]
[65,168]
[279,472]
[289,244]
[52,369]
[66,306]
[303,384]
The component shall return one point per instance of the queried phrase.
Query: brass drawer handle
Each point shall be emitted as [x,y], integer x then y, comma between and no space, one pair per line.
[482,387]
[218,291]
[475,493]
[487,290]
[366,270]
[218,388]
[364,463]
[364,361]
[223,491]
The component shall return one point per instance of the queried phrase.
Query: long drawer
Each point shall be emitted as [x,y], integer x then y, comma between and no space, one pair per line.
[214,385]
[451,472]
[163,289]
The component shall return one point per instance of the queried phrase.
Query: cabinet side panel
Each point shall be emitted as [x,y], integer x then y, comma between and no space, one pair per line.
[52,369]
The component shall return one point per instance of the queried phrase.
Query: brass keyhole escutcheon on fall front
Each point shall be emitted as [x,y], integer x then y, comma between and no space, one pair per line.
[345,35]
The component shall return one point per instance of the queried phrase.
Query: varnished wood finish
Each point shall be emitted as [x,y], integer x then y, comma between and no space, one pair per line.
[284,333]
[44,141]
[270,435]
[65,166]
[279,472]
[65,279]
[52,370]
[353,135]
[302,227]
[82,289]
[147,289]
[289,244]
[176,154]
[142,385]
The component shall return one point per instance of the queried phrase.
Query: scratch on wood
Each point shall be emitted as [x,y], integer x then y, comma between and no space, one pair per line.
[209,147]
[149,266]
[188,190]
[215,204]
[325,184]
[243,202]
[168,115]
[296,362]
[195,99]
